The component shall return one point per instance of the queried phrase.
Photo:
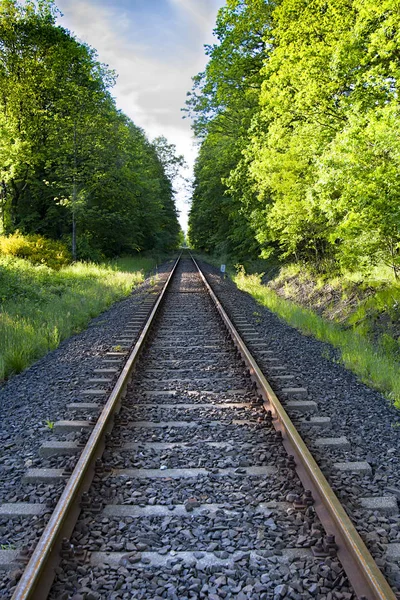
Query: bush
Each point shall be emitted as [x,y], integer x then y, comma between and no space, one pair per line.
[35,248]
[86,250]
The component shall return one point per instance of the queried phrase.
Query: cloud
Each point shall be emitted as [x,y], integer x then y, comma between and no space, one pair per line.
[155,48]
[151,87]
[201,13]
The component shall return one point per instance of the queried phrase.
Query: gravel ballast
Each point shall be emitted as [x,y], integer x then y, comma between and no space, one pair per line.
[193,491]
[364,416]
[41,394]
[201,403]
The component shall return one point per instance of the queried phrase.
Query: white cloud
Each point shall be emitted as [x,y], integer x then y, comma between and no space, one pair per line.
[154,74]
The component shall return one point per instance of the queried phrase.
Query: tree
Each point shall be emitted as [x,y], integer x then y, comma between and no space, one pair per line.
[359,191]
[171,162]
[72,166]
[223,103]
[328,102]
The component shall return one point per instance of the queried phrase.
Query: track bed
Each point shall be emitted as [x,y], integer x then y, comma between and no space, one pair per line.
[194,495]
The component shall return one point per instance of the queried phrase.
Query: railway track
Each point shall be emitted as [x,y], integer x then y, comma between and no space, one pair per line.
[193,482]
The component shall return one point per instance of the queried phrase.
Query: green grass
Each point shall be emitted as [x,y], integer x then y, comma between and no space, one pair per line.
[375,365]
[145,262]
[132,264]
[40,307]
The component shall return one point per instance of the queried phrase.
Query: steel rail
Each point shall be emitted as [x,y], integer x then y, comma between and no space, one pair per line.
[38,575]
[367,580]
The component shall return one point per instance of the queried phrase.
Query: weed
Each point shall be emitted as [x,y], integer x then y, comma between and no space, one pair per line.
[49,424]
[117,348]
[389,344]
[17,360]
[326,353]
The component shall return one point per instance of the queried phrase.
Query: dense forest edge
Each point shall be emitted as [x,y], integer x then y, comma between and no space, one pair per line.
[297,118]
[73,168]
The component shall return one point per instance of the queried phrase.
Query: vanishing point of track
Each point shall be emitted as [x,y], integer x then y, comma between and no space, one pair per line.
[178,323]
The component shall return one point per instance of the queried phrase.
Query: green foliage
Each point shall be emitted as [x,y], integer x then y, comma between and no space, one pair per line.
[214,223]
[225,96]
[359,190]
[131,264]
[35,248]
[41,306]
[223,102]
[73,167]
[303,98]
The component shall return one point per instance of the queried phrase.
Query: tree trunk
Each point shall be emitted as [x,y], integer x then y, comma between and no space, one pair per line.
[74,200]
[3,197]
[73,225]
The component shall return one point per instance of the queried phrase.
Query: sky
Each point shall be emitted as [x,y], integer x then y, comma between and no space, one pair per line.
[155,47]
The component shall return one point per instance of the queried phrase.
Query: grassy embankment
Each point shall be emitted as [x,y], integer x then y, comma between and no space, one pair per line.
[359,315]
[41,306]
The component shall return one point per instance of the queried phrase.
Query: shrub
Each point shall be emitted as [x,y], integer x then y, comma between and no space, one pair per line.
[86,250]
[35,248]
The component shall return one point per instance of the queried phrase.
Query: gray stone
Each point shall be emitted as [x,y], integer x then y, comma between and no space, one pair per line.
[341,443]
[384,504]
[67,426]
[303,406]
[21,509]
[187,473]
[58,449]
[8,559]
[393,552]
[85,406]
[316,422]
[356,467]
[280,590]
[43,476]
[297,392]
[161,510]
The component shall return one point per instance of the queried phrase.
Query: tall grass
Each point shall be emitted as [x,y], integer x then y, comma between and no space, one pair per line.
[132,264]
[40,306]
[376,366]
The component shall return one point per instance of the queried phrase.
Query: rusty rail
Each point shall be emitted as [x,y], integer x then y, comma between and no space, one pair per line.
[363,573]
[39,573]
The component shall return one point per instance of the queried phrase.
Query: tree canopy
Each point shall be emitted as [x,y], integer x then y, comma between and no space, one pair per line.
[305,94]
[72,166]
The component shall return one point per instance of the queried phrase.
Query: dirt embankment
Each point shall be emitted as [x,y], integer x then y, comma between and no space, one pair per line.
[371,307]
[331,302]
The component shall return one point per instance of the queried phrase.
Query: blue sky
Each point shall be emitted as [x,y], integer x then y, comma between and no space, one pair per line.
[155,46]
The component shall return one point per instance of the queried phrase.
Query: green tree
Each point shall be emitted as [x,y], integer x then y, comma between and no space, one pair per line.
[223,103]
[71,165]
[359,191]
[329,86]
